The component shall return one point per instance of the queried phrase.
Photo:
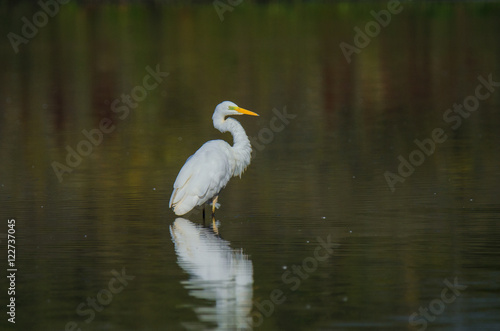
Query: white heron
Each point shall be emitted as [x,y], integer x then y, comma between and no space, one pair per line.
[207,171]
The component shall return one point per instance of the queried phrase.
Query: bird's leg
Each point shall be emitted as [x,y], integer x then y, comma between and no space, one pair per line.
[203,213]
[214,202]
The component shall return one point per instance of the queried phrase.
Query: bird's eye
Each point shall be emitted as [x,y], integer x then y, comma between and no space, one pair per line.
[232,108]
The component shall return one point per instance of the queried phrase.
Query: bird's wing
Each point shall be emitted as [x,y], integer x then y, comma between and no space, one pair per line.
[203,175]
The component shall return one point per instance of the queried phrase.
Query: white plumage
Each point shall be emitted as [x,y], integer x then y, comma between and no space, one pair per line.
[207,171]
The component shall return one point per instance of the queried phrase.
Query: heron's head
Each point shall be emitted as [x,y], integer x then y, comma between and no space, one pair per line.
[228,108]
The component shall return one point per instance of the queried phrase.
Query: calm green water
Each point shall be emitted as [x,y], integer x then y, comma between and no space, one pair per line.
[341,222]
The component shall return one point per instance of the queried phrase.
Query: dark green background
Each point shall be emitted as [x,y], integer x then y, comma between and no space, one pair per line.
[323,174]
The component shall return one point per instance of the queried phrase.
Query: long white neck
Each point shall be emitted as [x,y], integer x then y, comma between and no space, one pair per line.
[241,148]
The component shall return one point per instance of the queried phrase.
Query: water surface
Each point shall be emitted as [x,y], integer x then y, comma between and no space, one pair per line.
[312,237]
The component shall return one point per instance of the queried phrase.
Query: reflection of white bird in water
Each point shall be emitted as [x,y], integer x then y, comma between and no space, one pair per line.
[207,171]
[218,273]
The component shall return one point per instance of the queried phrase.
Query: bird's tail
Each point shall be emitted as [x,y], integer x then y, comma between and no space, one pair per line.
[182,204]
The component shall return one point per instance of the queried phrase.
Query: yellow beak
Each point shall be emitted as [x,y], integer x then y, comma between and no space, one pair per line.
[246,112]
